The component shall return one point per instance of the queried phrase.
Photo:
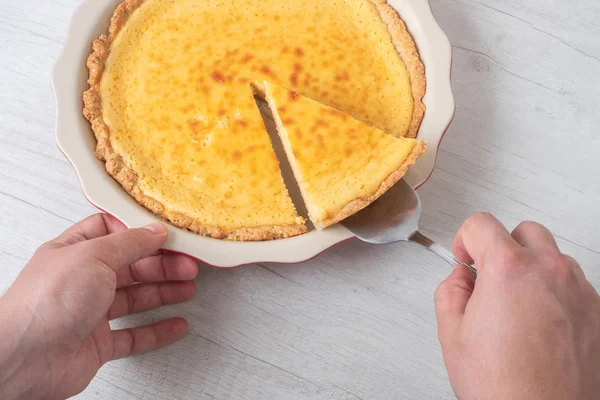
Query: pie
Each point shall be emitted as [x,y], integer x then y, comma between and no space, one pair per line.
[174,114]
[341,164]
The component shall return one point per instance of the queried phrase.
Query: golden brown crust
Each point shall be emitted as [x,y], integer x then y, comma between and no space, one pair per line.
[406,47]
[358,204]
[115,166]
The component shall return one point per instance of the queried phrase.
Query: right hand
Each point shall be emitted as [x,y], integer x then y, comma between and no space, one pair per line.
[528,327]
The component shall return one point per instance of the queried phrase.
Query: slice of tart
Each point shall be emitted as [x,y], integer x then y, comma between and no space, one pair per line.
[341,164]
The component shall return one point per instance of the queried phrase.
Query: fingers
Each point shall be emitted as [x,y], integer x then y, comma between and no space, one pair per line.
[164,267]
[138,298]
[89,228]
[451,299]
[481,238]
[129,342]
[534,236]
[127,247]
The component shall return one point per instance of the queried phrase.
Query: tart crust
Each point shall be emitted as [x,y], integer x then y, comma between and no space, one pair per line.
[406,47]
[128,178]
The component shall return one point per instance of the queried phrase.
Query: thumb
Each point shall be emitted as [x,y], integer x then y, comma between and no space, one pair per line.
[126,247]
[451,299]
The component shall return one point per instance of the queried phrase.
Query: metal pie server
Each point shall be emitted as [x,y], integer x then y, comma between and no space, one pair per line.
[395,217]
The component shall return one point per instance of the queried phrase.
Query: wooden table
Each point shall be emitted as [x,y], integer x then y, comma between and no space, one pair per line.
[357,322]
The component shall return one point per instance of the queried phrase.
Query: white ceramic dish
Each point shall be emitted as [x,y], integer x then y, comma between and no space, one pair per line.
[76,140]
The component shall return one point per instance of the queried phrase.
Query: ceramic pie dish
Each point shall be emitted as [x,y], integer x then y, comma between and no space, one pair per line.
[77,142]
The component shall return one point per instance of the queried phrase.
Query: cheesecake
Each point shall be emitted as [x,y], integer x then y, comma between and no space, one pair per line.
[172,105]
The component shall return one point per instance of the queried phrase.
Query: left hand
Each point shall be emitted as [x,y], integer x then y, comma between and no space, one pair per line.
[54,320]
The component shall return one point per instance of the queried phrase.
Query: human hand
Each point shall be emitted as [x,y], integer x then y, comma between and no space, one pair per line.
[54,320]
[528,327]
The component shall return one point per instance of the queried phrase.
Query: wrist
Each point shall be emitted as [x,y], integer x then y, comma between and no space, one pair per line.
[23,364]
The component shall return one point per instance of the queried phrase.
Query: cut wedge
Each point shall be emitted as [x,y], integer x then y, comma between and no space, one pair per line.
[341,164]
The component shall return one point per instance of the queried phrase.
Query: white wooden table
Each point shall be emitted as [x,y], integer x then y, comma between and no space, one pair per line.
[356,322]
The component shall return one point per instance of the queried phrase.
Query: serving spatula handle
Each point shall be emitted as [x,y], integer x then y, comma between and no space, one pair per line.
[446,255]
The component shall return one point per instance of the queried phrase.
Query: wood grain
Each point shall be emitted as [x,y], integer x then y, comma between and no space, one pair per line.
[356,322]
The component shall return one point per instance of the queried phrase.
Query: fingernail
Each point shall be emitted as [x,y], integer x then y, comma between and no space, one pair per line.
[156,227]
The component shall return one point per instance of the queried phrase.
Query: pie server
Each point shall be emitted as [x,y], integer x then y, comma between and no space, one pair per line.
[395,217]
